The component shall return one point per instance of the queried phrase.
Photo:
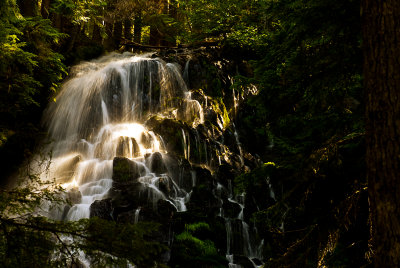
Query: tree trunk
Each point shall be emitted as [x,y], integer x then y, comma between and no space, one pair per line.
[155,36]
[137,29]
[173,13]
[45,9]
[28,8]
[96,35]
[108,42]
[128,29]
[381,36]
[117,34]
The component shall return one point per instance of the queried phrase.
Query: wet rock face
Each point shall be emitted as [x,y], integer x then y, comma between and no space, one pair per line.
[170,131]
[124,171]
[156,163]
[101,209]
[231,209]
[125,144]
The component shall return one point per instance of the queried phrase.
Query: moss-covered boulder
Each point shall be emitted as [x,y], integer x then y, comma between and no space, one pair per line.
[124,171]
[101,209]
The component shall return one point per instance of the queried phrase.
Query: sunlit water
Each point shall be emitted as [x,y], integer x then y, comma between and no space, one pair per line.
[99,114]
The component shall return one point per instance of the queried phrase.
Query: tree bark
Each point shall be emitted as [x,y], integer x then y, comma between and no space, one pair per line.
[96,34]
[155,36]
[45,9]
[117,34]
[28,8]
[128,29]
[137,28]
[381,39]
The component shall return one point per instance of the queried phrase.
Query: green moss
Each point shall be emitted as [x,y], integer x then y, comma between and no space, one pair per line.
[191,250]
[220,108]
[124,170]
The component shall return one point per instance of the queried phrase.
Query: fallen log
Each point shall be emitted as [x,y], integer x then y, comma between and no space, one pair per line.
[131,44]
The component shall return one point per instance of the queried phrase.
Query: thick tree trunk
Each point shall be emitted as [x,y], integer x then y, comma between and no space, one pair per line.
[381,36]
[155,36]
[108,42]
[137,29]
[96,34]
[45,9]
[117,34]
[28,8]
[128,29]
[173,13]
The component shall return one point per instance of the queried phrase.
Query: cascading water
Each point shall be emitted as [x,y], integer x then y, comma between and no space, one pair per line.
[99,120]
[99,115]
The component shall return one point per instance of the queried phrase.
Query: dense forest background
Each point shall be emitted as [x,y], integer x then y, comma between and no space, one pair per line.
[307,120]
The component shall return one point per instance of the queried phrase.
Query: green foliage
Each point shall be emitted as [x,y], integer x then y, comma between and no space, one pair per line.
[214,19]
[28,66]
[189,249]
[27,239]
[255,178]
[309,79]
[79,11]
[30,71]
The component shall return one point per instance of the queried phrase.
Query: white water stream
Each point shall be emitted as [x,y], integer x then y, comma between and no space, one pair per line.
[99,114]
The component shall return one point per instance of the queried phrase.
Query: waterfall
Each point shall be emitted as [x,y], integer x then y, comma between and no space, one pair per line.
[100,114]
[102,119]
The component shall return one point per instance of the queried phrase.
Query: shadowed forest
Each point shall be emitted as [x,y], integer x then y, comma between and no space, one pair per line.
[199,133]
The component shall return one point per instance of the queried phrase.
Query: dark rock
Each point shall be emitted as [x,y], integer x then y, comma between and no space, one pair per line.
[129,196]
[102,209]
[203,200]
[171,131]
[231,209]
[180,170]
[225,175]
[165,185]
[165,209]
[243,261]
[155,163]
[131,216]
[124,171]
[203,176]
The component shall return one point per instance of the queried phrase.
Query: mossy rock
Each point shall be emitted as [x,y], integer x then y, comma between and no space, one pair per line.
[171,132]
[124,171]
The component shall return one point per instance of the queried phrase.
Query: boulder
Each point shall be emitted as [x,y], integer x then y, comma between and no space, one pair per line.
[171,131]
[155,163]
[180,170]
[124,171]
[231,209]
[101,209]
[165,185]
[74,196]
[165,209]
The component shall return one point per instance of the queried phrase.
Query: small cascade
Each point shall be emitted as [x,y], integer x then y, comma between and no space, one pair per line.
[239,238]
[137,212]
[186,72]
[239,145]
